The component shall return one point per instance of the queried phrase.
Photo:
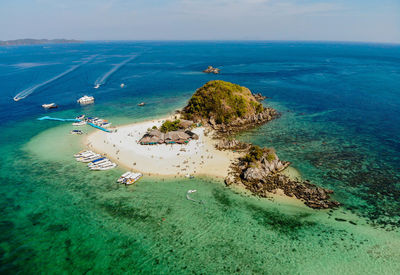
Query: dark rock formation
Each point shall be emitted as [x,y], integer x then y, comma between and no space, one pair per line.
[244,123]
[313,196]
[231,144]
[259,97]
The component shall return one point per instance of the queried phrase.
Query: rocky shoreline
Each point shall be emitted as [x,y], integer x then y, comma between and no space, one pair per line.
[262,178]
[240,124]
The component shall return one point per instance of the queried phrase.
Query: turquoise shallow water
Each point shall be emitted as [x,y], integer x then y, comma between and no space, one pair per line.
[339,130]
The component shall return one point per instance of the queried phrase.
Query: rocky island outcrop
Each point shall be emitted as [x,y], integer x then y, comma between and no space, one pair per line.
[225,109]
[211,69]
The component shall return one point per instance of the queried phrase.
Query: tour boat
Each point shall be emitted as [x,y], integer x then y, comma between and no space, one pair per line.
[84,153]
[104,167]
[129,178]
[49,106]
[80,123]
[89,158]
[86,100]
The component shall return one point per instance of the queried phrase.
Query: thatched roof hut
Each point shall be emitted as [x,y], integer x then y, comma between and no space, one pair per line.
[157,137]
[152,137]
[176,137]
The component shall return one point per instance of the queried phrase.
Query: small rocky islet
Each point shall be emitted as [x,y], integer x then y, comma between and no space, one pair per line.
[225,109]
[211,69]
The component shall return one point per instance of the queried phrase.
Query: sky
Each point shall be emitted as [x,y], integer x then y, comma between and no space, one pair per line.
[324,20]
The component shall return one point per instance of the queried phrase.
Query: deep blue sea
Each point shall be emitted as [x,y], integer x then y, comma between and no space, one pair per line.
[339,126]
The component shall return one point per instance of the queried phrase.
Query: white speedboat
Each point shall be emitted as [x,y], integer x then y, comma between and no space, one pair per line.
[49,106]
[97,86]
[80,123]
[129,178]
[104,167]
[122,85]
[84,153]
[89,158]
[84,100]
[99,162]
[141,104]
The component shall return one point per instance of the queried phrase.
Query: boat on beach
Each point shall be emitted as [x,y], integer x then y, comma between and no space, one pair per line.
[88,156]
[95,161]
[50,106]
[83,153]
[129,178]
[104,166]
[84,100]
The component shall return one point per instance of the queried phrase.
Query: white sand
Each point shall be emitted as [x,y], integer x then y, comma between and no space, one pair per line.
[199,158]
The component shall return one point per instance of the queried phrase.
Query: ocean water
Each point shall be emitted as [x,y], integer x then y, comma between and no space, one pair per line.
[339,126]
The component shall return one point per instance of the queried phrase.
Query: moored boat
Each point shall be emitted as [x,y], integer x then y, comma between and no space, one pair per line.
[129,178]
[103,167]
[50,106]
[84,100]
[80,123]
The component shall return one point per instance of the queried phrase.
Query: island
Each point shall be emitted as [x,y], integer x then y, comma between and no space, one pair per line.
[29,41]
[199,140]
[211,69]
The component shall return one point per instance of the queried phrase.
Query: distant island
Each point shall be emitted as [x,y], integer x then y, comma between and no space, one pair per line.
[29,41]
[211,69]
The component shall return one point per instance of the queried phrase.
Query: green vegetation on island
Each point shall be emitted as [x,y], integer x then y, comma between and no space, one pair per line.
[223,101]
[169,126]
[255,153]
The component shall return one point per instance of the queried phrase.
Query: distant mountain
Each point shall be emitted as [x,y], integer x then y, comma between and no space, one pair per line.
[36,41]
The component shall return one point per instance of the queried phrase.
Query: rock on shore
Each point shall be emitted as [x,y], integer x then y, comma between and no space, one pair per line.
[261,176]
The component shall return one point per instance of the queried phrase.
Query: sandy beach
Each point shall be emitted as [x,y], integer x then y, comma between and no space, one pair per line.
[198,157]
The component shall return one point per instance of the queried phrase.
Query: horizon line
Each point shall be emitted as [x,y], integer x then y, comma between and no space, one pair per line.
[217,40]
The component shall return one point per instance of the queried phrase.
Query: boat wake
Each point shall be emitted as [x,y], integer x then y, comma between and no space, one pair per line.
[102,80]
[30,90]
